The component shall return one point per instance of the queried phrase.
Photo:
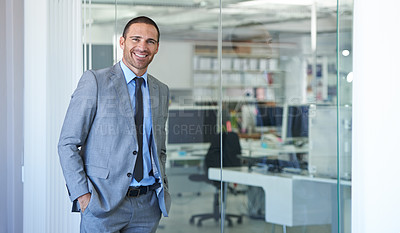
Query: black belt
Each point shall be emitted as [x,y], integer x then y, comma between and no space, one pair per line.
[141,190]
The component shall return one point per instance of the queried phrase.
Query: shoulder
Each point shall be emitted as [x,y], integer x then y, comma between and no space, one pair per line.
[106,72]
[102,76]
[158,82]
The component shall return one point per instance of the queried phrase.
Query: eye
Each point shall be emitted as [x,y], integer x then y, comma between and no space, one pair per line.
[152,42]
[135,39]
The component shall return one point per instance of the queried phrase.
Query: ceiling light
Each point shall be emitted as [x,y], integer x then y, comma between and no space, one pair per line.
[261,3]
[256,3]
[345,52]
[349,77]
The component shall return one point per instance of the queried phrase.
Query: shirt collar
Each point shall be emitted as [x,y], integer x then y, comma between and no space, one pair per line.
[129,75]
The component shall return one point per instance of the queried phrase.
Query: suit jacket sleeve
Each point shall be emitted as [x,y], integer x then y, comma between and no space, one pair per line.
[163,142]
[77,124]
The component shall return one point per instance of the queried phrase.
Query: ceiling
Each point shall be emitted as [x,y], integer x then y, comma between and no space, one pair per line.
[199,19]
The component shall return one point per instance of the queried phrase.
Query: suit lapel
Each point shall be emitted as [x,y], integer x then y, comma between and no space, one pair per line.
[154,94]
[121,88]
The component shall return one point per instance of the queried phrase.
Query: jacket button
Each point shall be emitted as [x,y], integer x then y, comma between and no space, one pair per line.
[135,152]
[129,174]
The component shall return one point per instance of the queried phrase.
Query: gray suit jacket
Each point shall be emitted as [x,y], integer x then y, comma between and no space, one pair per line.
[98,139]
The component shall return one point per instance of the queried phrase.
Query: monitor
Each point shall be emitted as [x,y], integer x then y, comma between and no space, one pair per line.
[295,124]
[269,117]
[192,125]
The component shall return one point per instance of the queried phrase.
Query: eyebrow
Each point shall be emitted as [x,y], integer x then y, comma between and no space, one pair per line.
[141,37]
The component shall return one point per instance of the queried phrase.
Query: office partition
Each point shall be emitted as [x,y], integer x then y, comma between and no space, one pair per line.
[242,58]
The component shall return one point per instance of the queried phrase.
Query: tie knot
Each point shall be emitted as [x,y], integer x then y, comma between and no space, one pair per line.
[139,81]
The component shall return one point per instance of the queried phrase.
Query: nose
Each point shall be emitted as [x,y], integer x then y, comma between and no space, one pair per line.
[142,45]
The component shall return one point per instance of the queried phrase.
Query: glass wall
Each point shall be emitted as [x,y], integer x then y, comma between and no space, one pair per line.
[344,89]
[259,129]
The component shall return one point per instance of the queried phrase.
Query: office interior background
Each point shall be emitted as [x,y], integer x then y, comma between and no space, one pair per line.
[313,150]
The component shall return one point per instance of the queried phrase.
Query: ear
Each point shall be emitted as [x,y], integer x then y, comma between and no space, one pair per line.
[158,45]
[121,42]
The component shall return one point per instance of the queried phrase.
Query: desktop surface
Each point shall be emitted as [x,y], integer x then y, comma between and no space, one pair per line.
[286,195]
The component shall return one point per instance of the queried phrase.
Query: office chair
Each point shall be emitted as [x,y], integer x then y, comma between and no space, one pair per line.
[231,150]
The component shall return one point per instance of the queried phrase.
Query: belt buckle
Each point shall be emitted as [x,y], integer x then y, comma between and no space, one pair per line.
[134,189]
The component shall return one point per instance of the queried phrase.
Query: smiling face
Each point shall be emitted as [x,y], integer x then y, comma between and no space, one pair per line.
[139,47]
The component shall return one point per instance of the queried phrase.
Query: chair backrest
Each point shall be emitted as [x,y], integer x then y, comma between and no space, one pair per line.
[230,148]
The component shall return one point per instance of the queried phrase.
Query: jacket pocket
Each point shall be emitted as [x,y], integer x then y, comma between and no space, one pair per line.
[99,172]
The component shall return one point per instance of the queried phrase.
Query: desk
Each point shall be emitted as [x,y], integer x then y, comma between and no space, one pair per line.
[254,149]
[260,152]
[185,156]
[290,200]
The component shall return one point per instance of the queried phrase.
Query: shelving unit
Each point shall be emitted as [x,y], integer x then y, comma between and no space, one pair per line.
[246,76]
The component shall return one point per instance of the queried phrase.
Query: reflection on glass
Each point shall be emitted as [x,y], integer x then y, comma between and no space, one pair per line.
[278,75]
[280,84]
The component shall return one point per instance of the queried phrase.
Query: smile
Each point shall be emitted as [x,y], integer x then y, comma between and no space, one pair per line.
[141,55]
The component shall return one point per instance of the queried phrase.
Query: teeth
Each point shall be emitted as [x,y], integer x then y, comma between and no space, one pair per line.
[139,55]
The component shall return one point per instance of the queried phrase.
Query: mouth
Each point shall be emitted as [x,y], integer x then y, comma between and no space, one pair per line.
[140,55]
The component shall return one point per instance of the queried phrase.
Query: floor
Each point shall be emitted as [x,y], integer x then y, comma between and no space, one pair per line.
[185,204]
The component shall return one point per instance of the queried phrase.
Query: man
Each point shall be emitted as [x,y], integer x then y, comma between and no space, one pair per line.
[112,144]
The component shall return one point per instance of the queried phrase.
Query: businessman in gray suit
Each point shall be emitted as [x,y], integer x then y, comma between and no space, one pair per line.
[112,144]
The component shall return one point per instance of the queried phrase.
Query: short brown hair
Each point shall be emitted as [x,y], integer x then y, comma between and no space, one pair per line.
[141,19]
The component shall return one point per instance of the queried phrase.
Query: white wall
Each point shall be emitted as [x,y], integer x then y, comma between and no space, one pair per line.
[173,64]
[52,63]
[376,111]
[101,34]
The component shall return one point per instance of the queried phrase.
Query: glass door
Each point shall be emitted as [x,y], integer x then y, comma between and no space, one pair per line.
[259,129]
[281,98]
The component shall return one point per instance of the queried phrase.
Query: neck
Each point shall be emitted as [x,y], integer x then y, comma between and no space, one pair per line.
[137,72]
